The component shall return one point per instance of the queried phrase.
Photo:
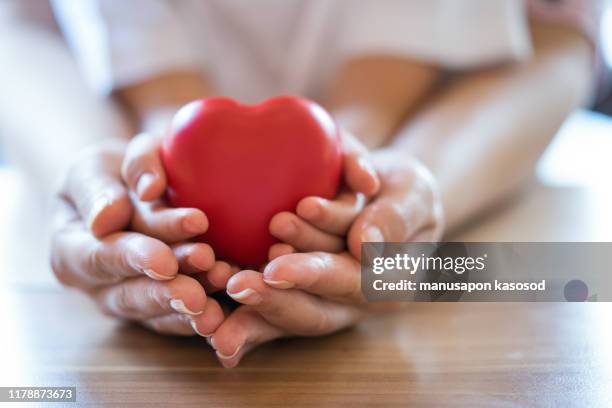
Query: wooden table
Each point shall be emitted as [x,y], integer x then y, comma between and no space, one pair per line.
[513,354]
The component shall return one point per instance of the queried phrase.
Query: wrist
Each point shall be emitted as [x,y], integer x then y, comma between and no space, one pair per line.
[158,120]
[370,127]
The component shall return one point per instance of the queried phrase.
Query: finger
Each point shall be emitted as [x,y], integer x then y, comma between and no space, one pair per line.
[359,173]
[241,332]
[93,186]
[409,203]
[142,298]
[433,231]
[185,325]
[142,168]
[193,257]
[332,276]
[167,224]
[209,321]
[332,216]
[216,278]
[78,259]
[294,310]
[279,249]
[173,324]
[302,236]
[389,219]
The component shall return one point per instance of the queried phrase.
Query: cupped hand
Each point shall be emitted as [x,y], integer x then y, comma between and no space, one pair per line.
[320,224]
[316,293]
[143,173]
[389,197]
[128,274]
[408,207]
[303,294]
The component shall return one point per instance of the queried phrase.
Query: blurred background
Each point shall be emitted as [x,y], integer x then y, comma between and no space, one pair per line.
[574,173]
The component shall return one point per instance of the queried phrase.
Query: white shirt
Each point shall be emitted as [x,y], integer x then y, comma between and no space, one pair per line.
[253,49]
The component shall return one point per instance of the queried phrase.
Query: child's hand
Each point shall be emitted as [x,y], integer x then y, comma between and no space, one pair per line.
[129,275]
[317,293]
[320,224]
[143,172]
[407,208]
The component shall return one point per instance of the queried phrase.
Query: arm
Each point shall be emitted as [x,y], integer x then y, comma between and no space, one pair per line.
[482,137]
[371,96]
[152,103]
[45,131]
[48,114]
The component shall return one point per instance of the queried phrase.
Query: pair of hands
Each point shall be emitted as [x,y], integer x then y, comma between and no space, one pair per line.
[156,275]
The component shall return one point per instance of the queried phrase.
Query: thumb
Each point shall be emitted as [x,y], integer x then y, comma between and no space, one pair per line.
[388,219]
[93,186]
[359,173]
[142,167]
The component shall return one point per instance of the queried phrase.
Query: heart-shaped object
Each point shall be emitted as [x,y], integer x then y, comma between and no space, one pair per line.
[241,164]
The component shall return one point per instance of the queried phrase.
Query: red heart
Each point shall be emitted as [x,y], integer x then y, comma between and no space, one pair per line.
[241,164]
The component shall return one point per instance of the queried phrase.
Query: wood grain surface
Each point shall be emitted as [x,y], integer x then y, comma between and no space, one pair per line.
[446,354]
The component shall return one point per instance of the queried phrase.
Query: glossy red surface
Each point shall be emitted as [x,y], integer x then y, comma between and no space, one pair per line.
[241,164]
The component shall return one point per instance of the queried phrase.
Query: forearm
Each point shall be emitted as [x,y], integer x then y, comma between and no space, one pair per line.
[482,137]
[371,96]
[152,104]
[48,114]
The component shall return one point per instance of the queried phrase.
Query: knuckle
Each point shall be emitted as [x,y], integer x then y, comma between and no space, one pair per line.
[60,272]
[123,303]
[170,228]
[94,264]
[393,219]
[173,290]
[307,239]
[395,212]
[181,287]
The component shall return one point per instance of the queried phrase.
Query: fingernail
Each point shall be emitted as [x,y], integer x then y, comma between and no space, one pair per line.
[372,234]
[194,326]
[194,224]
[247,297]
[279,284]
[99,204]
[211,341]
[179,306]
[234,354]
[154,275]
[144,182]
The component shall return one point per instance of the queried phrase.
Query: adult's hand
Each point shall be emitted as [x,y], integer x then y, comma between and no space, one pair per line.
[316,293]
[128,274]
[320,224]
